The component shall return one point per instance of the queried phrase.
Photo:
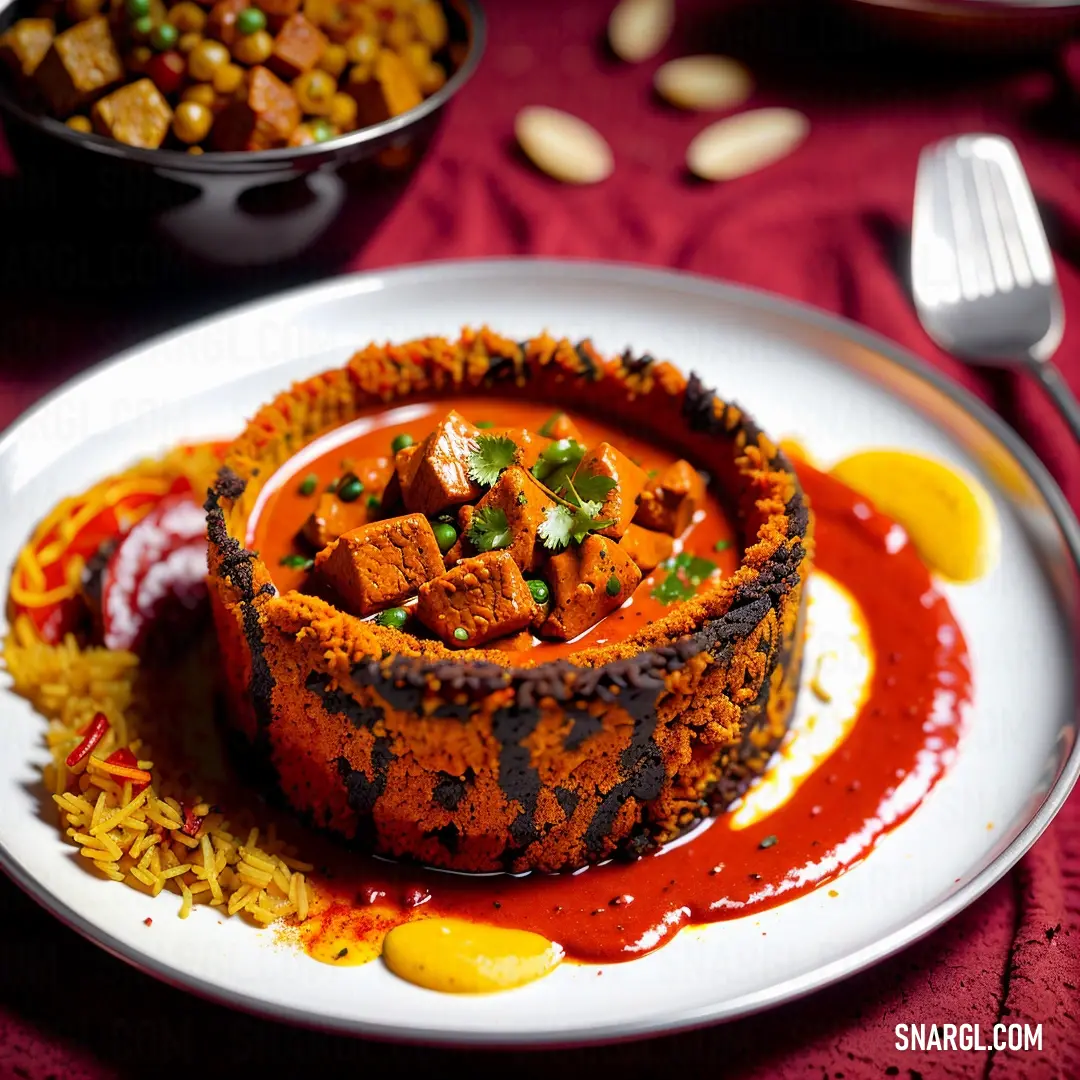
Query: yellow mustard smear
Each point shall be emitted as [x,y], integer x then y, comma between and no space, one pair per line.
[459,957]
[947,514]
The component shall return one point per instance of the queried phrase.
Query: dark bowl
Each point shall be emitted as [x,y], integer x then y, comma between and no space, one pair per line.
[93,210]
[994,26]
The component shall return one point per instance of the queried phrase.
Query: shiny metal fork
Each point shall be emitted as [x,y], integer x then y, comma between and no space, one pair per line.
[981,270]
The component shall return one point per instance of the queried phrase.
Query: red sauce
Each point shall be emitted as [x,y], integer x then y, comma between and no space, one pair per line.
[283,508]
[904,739]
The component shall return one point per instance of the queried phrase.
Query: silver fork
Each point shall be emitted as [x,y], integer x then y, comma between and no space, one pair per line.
[981,270]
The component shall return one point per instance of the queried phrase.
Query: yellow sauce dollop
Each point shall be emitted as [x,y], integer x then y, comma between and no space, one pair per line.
[948,515]
[459,957]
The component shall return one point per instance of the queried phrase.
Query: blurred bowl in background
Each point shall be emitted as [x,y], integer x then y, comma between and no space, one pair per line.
[974,25]
[92,211]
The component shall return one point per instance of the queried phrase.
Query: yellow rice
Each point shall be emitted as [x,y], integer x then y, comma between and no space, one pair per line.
[136,838]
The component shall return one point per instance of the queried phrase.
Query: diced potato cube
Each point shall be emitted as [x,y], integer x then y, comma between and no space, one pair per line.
[646,547]
[382,563]
[297,47]
[80,64]
[264,118]
[587,581]
[136,114]
[481,598]
[436,475]
[670,503]
[24,45]
[620,504]
[391,91]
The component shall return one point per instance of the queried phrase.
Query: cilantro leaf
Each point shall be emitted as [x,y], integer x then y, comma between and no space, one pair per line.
[493,453]
[685,573]
[561,525]
[489,530]
[593,486]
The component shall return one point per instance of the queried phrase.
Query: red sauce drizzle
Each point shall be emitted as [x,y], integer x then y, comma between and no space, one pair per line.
[901,744]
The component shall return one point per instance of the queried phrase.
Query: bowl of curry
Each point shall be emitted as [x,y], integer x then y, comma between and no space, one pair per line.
[507,605]
[232,134]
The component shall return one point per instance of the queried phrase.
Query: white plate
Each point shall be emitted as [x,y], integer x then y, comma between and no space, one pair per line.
[799,372]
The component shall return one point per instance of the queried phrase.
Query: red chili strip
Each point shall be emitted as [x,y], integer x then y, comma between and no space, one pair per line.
[127,759]
[192,823]
[94,734]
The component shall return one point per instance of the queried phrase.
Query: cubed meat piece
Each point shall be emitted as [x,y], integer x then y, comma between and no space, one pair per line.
[391,90]
[277,11]
[332,518]
[391,496]
[297,47]
[262,118]
[382,563]
[587,581]
[25,44]
[462,548]
[524,504]
[221,22]
[646,547]
[620,503]
[136,114]
[436,475]
[560,426]
[530,445]
[669,504]
[480,599]
[80,64]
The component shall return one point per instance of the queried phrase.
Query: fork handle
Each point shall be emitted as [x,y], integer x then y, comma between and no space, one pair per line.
[1059,391]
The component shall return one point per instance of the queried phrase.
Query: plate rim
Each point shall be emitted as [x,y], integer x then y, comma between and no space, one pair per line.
[791,989]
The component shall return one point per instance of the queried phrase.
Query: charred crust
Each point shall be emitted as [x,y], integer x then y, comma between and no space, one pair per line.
[338,701]
[449,791]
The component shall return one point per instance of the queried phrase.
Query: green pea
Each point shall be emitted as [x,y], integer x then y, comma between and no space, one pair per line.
[614,586]
[461,634]
[394,618]
[164,36]
[321,130]
[143,26]
[373,502]
[308,484]
[351,488]
[401,441]
[250,20]
[297,562]
[561,451]
[539,589]
[137,9]
[445,536]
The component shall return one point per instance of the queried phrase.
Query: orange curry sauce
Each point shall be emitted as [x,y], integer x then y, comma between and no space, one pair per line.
[905,737]
[283,509]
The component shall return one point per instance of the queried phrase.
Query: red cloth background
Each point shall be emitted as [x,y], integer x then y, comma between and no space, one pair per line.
[827,226]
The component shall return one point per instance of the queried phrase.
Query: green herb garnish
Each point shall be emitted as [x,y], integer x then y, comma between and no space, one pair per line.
[308,484]
[297,562]
[561,524]
[489,530]
[593,487]
[721,545]
[548,426]
[685,573]
[483,425]
[522,498]
[493,453]
[614,586]
[341,955]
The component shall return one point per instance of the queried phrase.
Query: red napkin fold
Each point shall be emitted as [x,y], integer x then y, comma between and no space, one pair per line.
[827,226]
